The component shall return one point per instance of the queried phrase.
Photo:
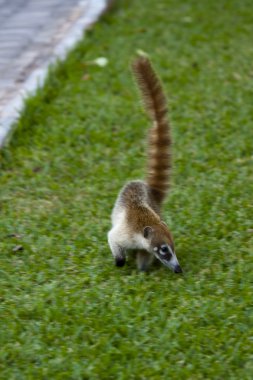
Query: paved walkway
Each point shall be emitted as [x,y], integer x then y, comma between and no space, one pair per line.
[32,35]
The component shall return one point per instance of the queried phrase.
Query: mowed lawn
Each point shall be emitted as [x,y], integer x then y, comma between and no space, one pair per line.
[66,311]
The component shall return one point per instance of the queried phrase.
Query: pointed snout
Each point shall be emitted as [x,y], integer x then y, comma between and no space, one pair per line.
[178,269]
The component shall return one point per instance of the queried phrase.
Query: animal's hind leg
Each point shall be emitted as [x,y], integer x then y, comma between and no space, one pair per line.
[144,260]
[118,251]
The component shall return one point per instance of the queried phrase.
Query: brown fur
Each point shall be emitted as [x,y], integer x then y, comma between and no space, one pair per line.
[136,220]
[142,211]
[159,155]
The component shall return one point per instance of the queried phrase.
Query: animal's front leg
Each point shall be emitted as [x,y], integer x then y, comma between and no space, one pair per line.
[117,249]
[144,260]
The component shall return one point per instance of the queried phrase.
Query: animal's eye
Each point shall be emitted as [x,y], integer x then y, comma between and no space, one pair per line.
[165,252]
[164,249]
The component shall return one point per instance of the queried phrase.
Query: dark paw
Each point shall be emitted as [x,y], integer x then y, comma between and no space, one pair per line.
[120,261]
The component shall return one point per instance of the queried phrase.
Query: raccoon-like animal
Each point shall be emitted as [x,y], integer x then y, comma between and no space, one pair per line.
[136,219]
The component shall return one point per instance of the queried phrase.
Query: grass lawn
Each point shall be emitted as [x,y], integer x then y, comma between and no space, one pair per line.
[66,311]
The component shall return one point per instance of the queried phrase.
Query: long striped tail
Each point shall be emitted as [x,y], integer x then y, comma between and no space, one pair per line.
[159,147]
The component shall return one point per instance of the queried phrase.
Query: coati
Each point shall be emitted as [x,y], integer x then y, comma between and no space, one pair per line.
[136,220]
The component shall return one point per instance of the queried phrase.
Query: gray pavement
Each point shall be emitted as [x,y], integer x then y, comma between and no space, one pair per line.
[33,33]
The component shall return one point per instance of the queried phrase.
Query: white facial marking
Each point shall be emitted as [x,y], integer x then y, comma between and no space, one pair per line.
[174,260]
[170,249]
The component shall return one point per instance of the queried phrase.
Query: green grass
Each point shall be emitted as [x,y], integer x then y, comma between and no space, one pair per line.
[66,311]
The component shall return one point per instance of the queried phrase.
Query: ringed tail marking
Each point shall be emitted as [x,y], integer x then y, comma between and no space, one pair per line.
[159,145]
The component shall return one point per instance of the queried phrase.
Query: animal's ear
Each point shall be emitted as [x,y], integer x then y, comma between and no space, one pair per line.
[147,232]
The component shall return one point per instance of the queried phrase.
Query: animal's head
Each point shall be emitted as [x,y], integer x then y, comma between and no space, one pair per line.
[160,244]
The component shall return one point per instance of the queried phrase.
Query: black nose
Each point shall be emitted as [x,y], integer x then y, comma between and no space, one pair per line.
[178,269]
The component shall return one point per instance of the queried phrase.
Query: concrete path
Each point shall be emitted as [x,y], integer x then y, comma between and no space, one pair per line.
[34,34]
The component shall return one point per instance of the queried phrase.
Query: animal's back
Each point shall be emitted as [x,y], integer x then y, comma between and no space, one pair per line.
[135,206]
[134,195]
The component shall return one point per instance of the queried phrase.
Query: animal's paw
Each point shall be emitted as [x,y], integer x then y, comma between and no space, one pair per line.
[120,261]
